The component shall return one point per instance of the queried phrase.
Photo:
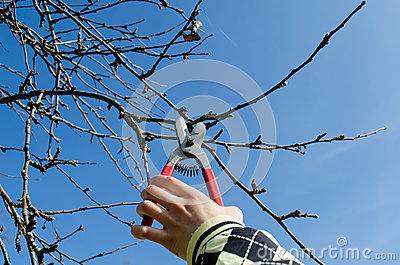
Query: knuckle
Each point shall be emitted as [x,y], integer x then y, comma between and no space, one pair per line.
[145,231]
[181,209]
[151,189]
[157,177]
[154,179]
[173,179]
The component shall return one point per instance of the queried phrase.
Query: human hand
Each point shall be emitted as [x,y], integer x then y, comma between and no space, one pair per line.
[183,210]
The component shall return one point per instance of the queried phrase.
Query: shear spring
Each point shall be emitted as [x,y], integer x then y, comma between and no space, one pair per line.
[187,170]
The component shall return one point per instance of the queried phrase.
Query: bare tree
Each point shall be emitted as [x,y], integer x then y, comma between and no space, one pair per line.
[91,63]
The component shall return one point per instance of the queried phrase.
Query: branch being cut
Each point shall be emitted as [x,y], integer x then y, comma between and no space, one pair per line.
[258,144]
[297,147]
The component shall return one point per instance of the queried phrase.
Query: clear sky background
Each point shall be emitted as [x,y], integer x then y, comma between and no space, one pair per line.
[352,87]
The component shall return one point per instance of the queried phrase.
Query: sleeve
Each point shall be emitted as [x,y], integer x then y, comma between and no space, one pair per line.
[225,241]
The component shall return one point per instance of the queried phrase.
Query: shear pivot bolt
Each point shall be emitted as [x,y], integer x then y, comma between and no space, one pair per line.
[190,141]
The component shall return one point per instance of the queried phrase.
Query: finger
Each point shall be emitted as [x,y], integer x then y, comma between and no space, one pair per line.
[161,196]
[145,232]
[173,185]
[151,209]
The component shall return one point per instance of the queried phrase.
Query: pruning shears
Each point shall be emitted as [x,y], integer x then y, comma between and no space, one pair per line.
[190,148]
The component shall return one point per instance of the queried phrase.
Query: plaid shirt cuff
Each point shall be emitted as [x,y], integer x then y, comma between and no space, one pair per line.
[206,231]
[225,241]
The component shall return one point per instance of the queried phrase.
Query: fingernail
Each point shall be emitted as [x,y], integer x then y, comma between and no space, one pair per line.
[138,231]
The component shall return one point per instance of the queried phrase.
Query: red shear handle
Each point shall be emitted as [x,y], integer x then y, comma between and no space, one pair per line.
[167,171]
[212,185]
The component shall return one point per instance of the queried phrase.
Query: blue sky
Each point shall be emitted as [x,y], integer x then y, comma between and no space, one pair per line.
[351,88]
